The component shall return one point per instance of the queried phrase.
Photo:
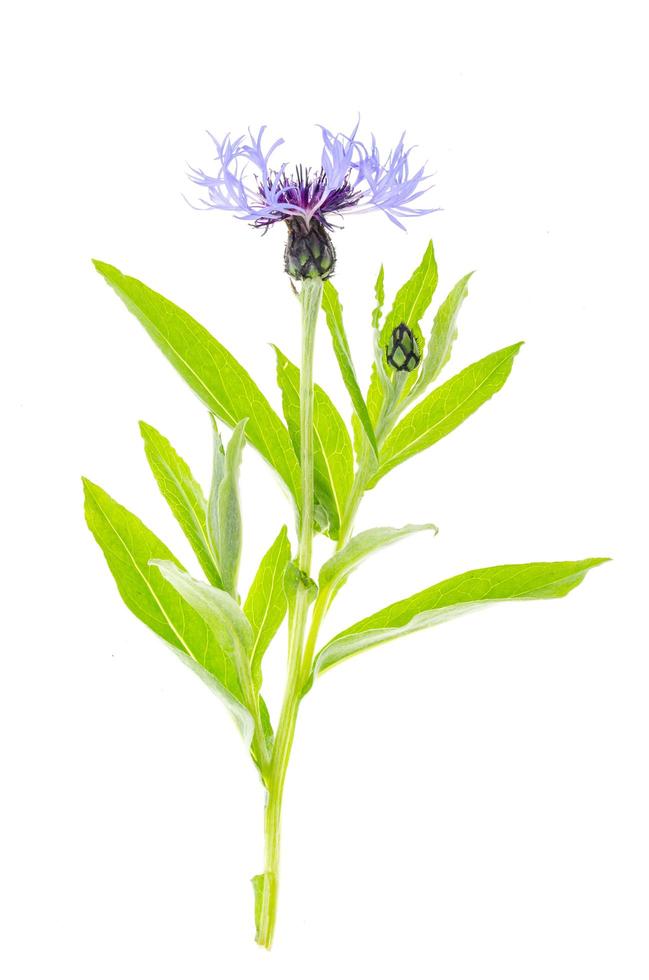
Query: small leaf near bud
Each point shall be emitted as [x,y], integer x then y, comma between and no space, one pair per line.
[295,578]
[402,353]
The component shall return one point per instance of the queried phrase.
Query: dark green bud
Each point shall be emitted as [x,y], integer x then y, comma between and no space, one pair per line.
[309,251]
[402,353]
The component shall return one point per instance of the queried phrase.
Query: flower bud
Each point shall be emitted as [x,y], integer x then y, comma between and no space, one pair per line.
[309,251]
[402,353]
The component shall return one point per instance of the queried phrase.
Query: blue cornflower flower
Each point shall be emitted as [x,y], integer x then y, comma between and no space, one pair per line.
[352,177]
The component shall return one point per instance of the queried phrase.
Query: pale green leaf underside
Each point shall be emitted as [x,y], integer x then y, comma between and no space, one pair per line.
[225,511]
[445,408]
[265,605]
[129,547]
[183,494]
[443,334]
[333,459]
[334,317]
[261,886]
[210,370]
[454,596]
[218,472]
[361,546]
[216,608]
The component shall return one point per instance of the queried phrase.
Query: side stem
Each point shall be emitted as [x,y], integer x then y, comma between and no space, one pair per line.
[310,300]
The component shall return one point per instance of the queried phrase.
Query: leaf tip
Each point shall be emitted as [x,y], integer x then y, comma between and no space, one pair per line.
[88,485]
[515,348]
[282,359]
[104,268]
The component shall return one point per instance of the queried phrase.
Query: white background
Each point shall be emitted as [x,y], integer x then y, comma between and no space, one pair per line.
[471,802]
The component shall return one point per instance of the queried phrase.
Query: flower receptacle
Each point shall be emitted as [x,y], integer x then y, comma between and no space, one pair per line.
[309,250]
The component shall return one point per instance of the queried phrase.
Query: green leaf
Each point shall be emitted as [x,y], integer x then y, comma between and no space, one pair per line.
[360,546]
[216,608]
[258,885]
[218,472]
[379,294]
[445,408]
[443,335]
[264,888]
[334,316]
[224,511]
[411,302]
[454,596]
[233,633]
[333,461]
[414,297]
[380,381]
[184,496]
[129,547]
[265,606]
[266,724]
[211,371]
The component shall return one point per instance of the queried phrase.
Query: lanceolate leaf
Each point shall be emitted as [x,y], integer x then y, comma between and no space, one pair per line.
[184,496]
[445,408]
[334,316]
[333,457]
[233,633]
[224,512]
[360,546]
[443,335]
[379,294]
[266,724]
[129,547]
[265,606]
[414,297]
[379,382]
[454,596]
[210,370]
[410,304]
[216,608]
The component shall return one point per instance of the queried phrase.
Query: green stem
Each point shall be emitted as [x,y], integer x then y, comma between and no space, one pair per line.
[310,300]
[301,650]
[363,472]
[251,701]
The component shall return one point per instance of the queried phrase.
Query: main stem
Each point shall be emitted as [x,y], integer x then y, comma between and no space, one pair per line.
[310,300]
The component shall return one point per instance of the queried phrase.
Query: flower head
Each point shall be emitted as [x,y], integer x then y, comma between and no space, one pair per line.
[352,177]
